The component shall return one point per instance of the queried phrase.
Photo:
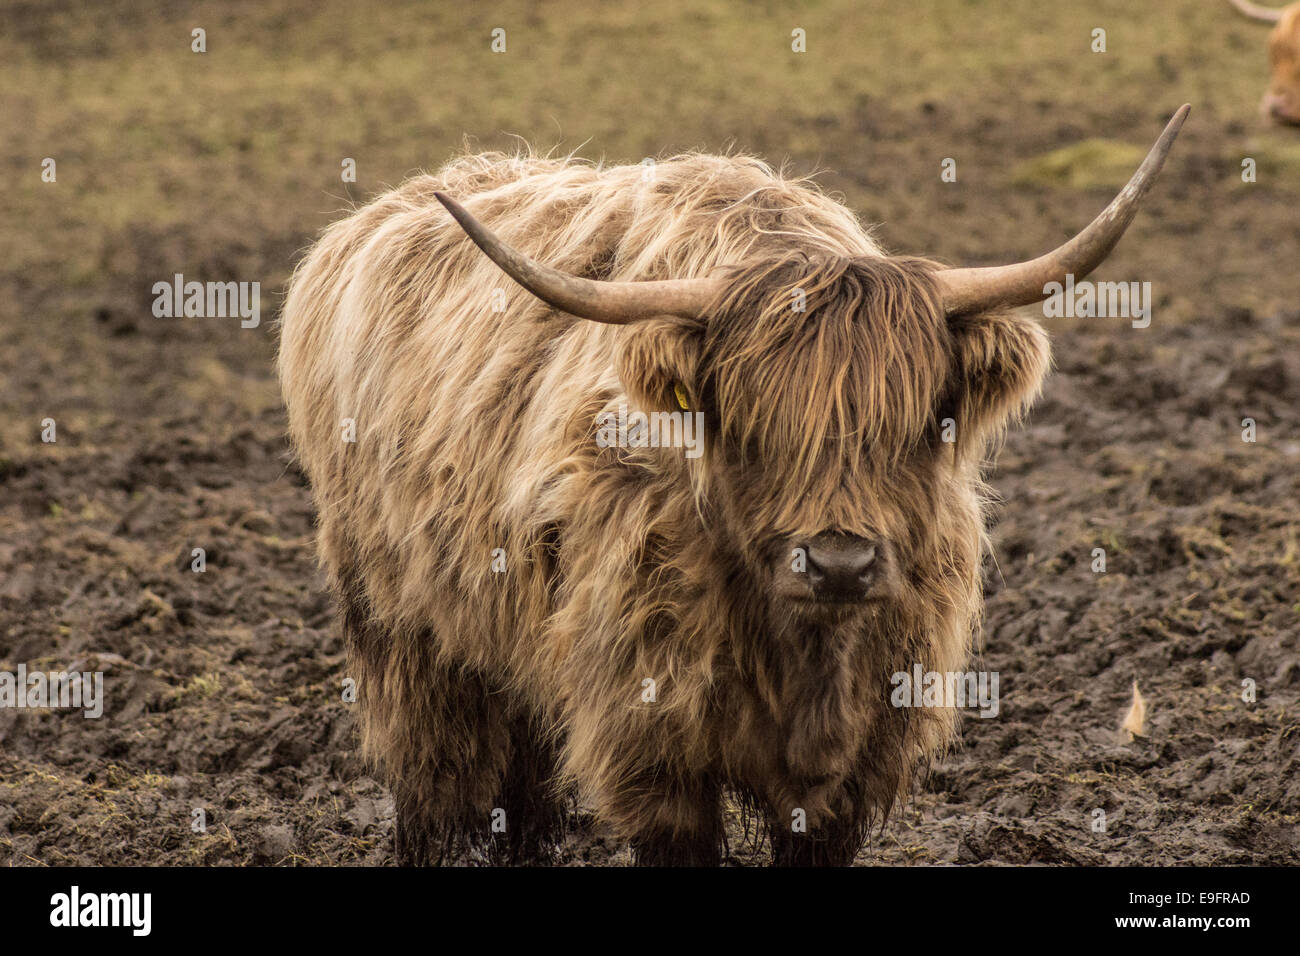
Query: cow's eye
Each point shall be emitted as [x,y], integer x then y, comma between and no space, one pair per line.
[680,391]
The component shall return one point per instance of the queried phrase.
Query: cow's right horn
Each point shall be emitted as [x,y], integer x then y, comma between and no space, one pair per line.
[977,289]
[615,303]
[1256,12]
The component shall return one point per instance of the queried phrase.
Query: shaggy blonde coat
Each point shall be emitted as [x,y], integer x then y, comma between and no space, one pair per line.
[530,613]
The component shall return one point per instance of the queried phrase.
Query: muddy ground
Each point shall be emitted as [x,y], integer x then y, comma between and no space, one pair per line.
[223,687]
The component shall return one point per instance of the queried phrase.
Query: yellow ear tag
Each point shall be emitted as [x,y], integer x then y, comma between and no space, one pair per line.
[681,396]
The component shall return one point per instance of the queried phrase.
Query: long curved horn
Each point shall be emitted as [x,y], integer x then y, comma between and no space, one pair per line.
[614,303]
[1256,12]
[977,289]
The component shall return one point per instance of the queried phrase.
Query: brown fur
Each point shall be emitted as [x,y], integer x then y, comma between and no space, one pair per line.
[1281,103]
[475,431]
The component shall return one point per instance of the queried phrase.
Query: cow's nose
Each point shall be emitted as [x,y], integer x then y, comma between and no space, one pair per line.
[1278,108]
[843,568]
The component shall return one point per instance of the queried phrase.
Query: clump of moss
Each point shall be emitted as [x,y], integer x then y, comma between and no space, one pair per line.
[1091,164]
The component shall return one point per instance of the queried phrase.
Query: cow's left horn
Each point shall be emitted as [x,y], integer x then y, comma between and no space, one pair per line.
[615,303]
[977,289]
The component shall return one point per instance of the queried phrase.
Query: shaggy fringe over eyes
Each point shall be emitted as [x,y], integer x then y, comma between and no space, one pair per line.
[850,382]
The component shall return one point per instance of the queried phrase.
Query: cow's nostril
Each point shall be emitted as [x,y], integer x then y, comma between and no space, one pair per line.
[843,569]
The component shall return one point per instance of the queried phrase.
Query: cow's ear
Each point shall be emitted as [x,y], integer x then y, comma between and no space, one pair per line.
[657,364]
[999,363]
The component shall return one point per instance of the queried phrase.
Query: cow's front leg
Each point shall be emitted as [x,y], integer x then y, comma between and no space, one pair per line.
[830,842]
[672,822]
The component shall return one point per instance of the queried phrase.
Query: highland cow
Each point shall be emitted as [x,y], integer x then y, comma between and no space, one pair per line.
[1281,103]
[533,614]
